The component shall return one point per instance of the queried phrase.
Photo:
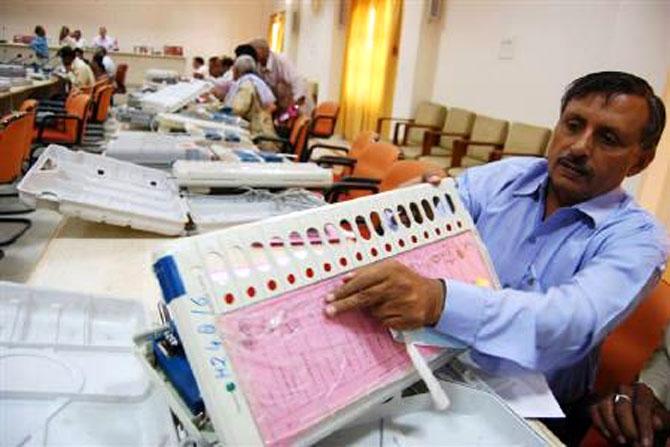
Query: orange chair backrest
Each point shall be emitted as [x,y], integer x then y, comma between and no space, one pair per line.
[324,119]
[78,105]
[120,77]
[298,137]
[629,346]
[404,171]
[30,107]
[13,129]
[374,162]
[361,141]
[103,103]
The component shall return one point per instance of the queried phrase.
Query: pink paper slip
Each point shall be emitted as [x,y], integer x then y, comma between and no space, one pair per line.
[296,366]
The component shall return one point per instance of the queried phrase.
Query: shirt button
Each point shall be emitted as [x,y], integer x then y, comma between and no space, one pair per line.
[532,239]
[531,281]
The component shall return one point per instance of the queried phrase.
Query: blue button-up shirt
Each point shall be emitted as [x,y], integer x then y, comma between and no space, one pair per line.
[40,47]
[567,280]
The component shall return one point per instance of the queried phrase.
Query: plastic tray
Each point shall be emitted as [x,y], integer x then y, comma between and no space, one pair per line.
[155,149]
[261,175]
[69,375]
[102,189]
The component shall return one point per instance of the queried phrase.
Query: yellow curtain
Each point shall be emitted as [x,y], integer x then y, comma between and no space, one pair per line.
[370,64]
[276,31]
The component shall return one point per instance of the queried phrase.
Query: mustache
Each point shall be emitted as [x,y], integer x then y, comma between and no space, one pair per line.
[576,164]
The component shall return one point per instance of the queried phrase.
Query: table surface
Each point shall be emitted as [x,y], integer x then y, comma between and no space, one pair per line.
[22,88]
[102,259]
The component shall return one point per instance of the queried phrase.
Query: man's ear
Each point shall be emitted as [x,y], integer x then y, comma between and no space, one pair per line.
[645,157]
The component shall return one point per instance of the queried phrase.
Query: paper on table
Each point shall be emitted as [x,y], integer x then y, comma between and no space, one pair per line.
[526,392]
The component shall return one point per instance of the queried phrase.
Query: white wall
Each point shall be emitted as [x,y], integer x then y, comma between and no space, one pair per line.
[554,42]
[204,27]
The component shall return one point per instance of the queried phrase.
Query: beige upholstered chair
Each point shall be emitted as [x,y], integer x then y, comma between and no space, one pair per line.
[525,140]
[488,134]
[458,125]
[429,116]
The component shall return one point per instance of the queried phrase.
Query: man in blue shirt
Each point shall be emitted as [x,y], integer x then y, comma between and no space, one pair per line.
[39,43]
[573,251]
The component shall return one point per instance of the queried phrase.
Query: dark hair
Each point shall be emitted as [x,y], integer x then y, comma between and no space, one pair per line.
[213,59]
[67,52]
[227,62]
[246,49]
[39,30]
[613,83]
[199,60]
[78,52]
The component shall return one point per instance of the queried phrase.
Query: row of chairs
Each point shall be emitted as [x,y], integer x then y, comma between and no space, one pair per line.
[457,138]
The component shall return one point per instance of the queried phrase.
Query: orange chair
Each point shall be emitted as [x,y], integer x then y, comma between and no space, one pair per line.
[358,145]
[404,171]
[324,119]
[627,349]
[368,171]
[120,78]
[102,100]
[29,106]
[13,128]
[296,142]
[67,128]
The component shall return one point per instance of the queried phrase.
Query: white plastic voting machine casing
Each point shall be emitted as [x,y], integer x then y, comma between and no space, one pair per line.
[155,149]
[197,302]
[69,374]
[102,189]
[180,121]
[174,97]
[270,175]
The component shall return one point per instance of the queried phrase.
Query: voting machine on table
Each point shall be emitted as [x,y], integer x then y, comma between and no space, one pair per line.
[102,189]
[173,97]
[268,367]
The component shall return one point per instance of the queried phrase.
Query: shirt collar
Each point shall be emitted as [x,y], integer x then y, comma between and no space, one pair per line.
[597,208]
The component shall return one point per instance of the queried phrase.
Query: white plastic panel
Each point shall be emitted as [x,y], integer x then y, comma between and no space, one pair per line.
[102,189]
[265,175]
[475,418]
[180,121]
[155,149]
[216,212]
[69,374]
[174,97]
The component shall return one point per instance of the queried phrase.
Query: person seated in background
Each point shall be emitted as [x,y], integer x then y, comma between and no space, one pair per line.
[200,70]
[105,62]
[639,414]
[245,100]
[78,40]
[102,40]
[39,43]
[288,86]
[79,53]
[64,38]
[576,255]
[227,63]
[77,71]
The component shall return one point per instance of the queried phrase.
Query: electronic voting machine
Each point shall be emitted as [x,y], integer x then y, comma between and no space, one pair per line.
[249,358]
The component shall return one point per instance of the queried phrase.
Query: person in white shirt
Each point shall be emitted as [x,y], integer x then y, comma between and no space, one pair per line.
[77,71]
[288,86]
[64,38]
[105,62]
[200,70]
[102,40]
[79,42]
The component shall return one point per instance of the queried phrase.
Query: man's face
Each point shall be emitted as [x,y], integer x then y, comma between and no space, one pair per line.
[596,145]
[215,68]
[263,54]
[67,61]
[103,31]
[76,35]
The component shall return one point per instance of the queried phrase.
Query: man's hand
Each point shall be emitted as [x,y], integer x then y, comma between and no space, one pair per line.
[631,416]
[393,293]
